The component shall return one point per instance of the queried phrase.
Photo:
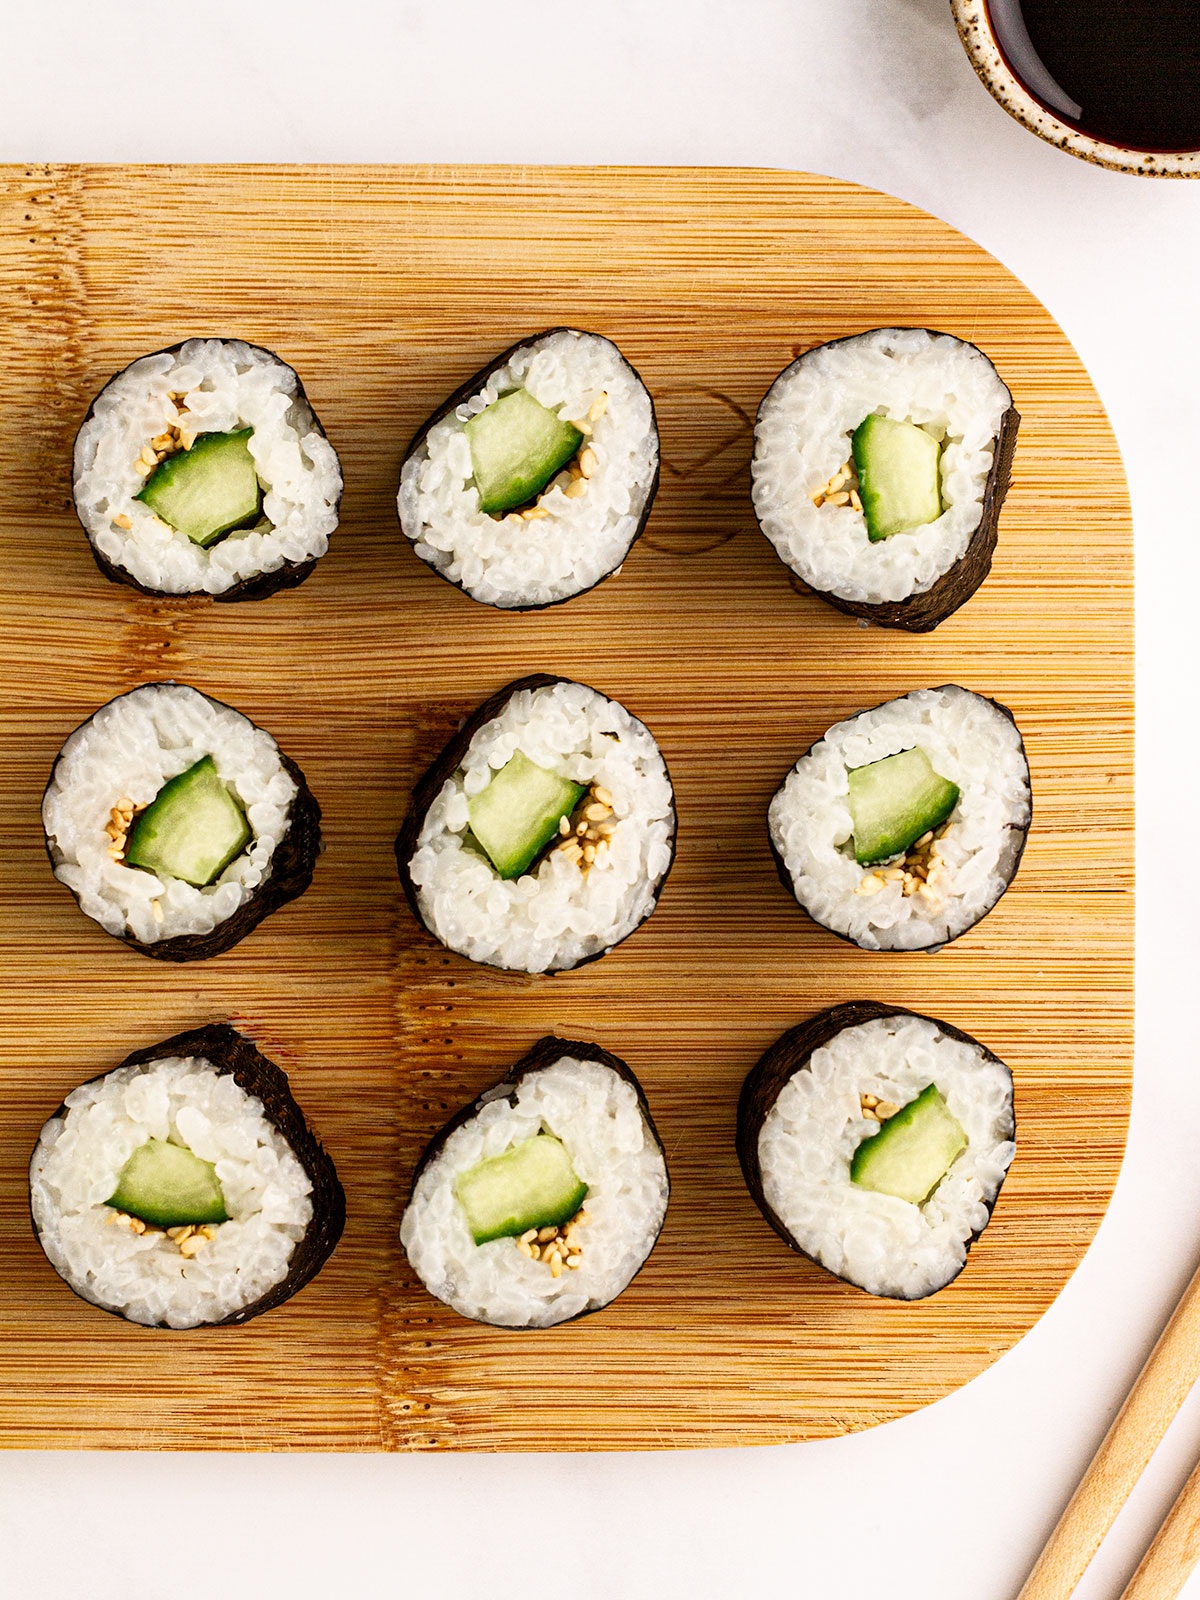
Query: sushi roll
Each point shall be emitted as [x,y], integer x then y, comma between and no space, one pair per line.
[541,1200]
[177,824]
[543,833]
[202,469]
[532,482]
[184,1189]
[881,462]
[905,824]
[874,1141]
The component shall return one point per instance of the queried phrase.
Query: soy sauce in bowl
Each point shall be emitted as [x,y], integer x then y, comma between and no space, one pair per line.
[1123,71]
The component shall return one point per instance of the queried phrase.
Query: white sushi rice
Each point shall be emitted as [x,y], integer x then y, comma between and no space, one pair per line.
[555,915]
[595,1114]
[509,562]
[808,1139]
[968,741]
[803,436]
[145,1276]
[228,385]
[128,750]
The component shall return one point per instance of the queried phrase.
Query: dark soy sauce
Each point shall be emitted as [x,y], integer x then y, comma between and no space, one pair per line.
[1125,71]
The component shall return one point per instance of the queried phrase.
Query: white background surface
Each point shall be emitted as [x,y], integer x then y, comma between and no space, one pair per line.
[954,1502]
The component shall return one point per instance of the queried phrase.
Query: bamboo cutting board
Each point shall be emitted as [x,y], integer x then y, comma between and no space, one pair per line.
[385,287]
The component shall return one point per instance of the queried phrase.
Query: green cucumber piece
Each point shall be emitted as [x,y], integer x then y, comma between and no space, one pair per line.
[192,829]
[533,1185]
[899,481]
[894,801]
[518,813]
[913,1150]
[517,446]
[208,490]
[166,1185]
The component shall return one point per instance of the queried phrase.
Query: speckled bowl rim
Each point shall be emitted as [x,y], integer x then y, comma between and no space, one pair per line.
[979,41]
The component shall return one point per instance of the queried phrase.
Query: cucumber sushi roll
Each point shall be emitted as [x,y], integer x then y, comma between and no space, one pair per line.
[905,824]
[177,824]
[184,1189]
[543,833]
[541,1200]
[875,1141]
[532,482]
[880,465]
[202,469]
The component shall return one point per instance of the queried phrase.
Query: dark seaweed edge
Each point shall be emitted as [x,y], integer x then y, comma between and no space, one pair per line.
[286,576]
[792,1053]
[471,387]
[788,883]
[293,860]
[923,611]
[428,787]
[232,1053]
[548,1050]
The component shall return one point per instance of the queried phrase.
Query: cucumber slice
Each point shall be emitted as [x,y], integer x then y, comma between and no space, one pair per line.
[894,801]
[533,1185]
[165,1184]
[518,813]
[517,446]
[192,829]
[208,490]
[898,477]
[913,1150]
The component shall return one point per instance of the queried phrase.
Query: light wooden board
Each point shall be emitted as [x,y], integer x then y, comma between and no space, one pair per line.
[386,286]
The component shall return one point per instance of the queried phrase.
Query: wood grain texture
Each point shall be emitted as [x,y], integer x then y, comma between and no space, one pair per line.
[384,287]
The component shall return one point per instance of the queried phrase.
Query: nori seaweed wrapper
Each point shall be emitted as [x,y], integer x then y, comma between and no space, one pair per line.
[429,785]
[921,613]
[231,1052]
[260,587]
[785,876]
[792,1052]
[543,1054]
[292,864]
[471,387]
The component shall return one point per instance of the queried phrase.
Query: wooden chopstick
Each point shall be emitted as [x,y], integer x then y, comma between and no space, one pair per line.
[1165,1567]
[1171,1369]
